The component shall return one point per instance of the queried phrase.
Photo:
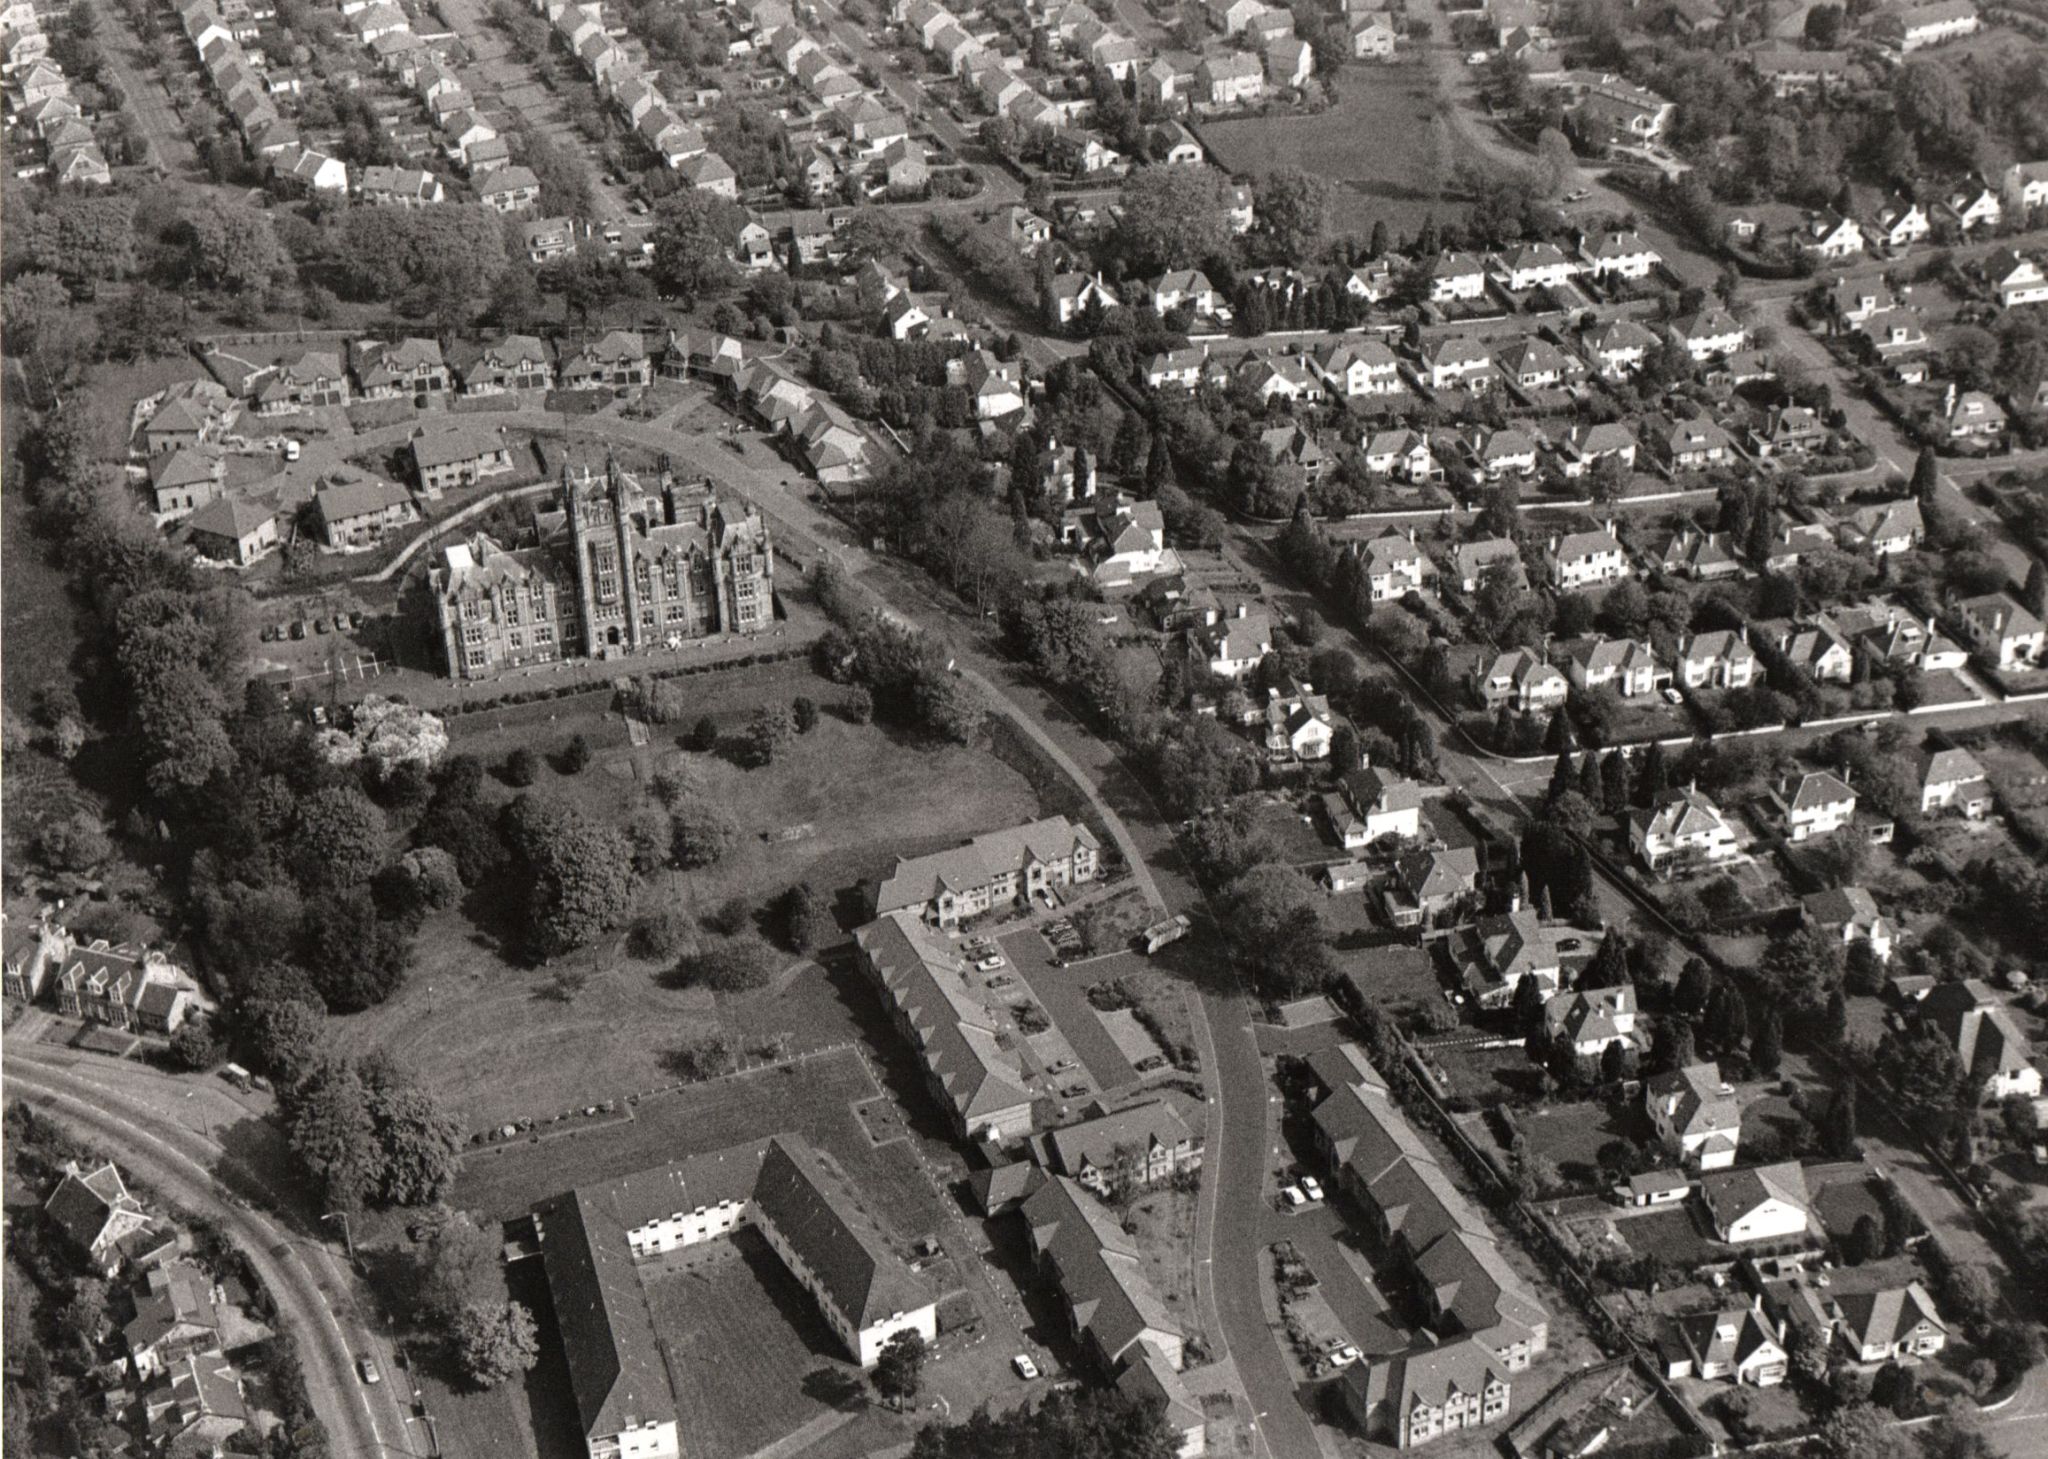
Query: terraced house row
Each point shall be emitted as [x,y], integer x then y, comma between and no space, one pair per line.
[1486,1322]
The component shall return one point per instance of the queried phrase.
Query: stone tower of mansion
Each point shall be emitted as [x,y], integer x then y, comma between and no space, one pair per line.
[618,568]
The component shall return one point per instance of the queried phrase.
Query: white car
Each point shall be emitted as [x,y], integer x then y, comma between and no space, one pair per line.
[1343,1355]
[1672,696]
[1311,1188]
[1026,1369]
[990,963]
[1292,1195]
[368,1371]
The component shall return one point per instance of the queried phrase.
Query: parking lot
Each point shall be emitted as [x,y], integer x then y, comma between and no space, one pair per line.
[1062,991]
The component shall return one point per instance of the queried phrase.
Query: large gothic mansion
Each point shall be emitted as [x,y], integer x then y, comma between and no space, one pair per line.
[617,569]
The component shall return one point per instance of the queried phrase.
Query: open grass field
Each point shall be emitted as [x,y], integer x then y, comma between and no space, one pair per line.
[814,1098]
[1376,144]
[495,1045]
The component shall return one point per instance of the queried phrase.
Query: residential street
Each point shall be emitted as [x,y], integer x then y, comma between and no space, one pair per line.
[317,1300]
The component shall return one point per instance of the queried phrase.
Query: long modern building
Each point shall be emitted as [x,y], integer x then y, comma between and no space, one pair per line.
[975,1074]
[619,570]
[594,1241]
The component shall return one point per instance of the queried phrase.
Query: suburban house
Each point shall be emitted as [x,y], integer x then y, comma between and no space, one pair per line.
[459,455]
[1403,455]
[1229,79]
[1588,1020]
[1884,529]
[233,530]
[1428,885]
[1470,561]
[1297,724]
[94,1209]
[1234,644]
[1522,681]
[1820,804]
[1696,1115]
[2025,187]
[1971,415]
[2002,630]
[1144,1144]
[1989,1044]
[1701,556]
[1386,805]
[1455,277]
[1767,1203]
[514,362]
[185,480]
[1618,347]
[1850,916]
[1112,1306]
[1454,363]
[1706,335]
[922,980]
[358,511]
[1392,565]
[1500,951]
[1695,445]
[2015,278]
[175,1315]
[995,869]
[1682,830]
[1625,665]
[1740,1344]
[1587,559]
[593,1238]
[1953,780]
[1718,659]
[1892,1325]
[394,369]
[617,360]
[1074,293]
[1829,237]
[1622,255]
[1584,447]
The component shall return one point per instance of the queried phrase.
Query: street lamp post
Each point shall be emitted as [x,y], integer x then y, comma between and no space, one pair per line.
[347,1232]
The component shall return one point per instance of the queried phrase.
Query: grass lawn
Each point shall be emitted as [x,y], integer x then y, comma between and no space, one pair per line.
[1672,1234]
[814,1098]
[1375,143]
[834,808]
[1572,1134]
[749,1356]
[1164,1222]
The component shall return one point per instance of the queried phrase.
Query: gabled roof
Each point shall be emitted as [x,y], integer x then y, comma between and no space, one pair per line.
[926,981]
[231,517]
[1886,1318]
[1732,1194]
[1097,1142]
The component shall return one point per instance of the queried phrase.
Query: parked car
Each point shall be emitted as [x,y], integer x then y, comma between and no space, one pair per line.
[1311,1187]
[990,963]
[1343,1355]
[1073,1091]
[1292,1194]
[1026,1369]
[368,1369]
[1672,696]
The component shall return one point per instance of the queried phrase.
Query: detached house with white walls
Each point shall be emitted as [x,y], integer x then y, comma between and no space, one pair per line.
[1696,1114]
[1818,804]
[1587,559]
[1682,831]
[1767,1203]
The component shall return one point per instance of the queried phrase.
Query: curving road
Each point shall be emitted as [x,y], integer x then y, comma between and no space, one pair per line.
[302,1276]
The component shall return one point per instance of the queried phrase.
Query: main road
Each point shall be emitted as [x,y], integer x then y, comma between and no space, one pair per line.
[318,1300]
